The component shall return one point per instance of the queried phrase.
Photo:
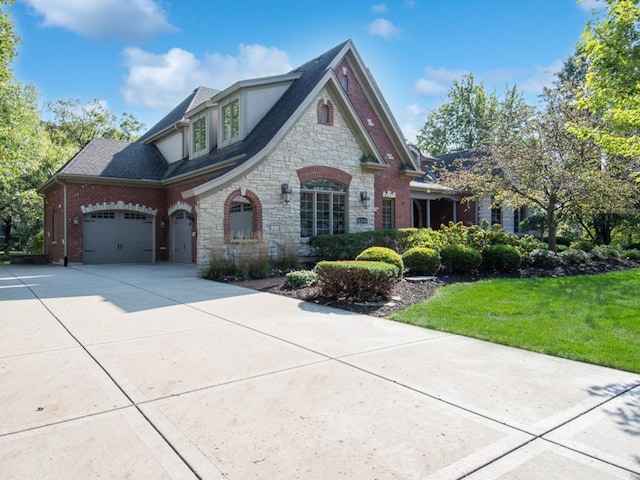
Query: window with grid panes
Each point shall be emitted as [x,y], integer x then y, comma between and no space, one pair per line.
[323,208]
[231,120]
[199,136]
[388,213]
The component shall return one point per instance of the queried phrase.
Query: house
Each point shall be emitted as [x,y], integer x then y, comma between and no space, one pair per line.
[271,160]
[434,203]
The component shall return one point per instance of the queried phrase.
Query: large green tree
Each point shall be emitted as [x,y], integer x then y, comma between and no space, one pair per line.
[533,160]
[611,48]
[76,123]
[8,41]
[462,122]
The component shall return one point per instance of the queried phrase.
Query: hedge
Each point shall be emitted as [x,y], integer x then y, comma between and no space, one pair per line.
[356,280]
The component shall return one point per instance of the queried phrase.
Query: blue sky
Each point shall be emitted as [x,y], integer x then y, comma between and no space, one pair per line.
[144,56]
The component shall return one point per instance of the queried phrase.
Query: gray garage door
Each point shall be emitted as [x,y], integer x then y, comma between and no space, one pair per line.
[181,237]
[118,237]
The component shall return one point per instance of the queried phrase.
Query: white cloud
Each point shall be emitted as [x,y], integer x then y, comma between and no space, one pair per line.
[543,76]
[379,8]
[436,82]
[131,20]
[414,117]
[383,28]
[161,81]
[591,5]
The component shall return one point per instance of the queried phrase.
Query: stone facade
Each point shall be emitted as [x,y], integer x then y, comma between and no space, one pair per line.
[307,144]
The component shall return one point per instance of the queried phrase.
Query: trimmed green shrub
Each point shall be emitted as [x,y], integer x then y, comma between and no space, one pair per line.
[382,254]
[421,261]
[631,254]
[605,252]
[300,278]
[582,244]
[574,256]
[529,243]
[541,258]
[460,259]
[349,245]
[501,258]
[356,280]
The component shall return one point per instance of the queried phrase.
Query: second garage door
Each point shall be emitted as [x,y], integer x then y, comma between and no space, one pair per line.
[118,237]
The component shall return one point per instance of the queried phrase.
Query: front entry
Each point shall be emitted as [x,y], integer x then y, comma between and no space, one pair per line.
[181,237]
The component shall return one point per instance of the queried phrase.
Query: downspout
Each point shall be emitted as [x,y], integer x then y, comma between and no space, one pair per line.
[64,217]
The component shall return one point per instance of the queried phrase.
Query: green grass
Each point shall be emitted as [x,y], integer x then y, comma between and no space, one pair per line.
[590,318]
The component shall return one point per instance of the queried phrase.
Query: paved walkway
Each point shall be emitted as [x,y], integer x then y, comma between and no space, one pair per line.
[146,371]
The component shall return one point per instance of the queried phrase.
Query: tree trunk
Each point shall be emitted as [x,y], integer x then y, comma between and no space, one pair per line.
[551,226]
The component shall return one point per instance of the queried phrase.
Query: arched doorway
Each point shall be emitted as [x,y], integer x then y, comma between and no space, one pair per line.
[181,237]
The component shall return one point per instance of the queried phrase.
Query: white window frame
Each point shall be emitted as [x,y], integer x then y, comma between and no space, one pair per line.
[232,138]
[205,148]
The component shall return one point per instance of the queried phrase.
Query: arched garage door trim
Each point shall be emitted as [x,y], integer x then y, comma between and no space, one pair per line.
[115,232]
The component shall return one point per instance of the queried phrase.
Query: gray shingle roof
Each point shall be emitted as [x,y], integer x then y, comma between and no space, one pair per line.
[136,161]
[197,97]
[311,73]
[108,158]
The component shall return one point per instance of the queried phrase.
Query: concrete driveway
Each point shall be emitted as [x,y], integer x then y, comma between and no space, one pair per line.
[146,371]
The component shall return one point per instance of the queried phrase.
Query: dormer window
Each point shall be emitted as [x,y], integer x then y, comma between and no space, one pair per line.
[231,121]
[199,144]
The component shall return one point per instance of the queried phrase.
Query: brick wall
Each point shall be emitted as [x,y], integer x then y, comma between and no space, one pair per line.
[388,180]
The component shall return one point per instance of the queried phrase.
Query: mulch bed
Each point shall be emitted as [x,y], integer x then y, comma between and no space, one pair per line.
[406,293]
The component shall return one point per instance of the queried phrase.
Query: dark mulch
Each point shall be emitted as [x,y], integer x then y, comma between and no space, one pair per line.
[406,293]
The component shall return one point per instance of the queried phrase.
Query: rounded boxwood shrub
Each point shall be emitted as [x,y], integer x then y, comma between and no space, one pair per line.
[359,281]
[300,278]
[501,258]
[605,252]
[541,258]
[574,256]
[382,254]
[460,258]
[421,260]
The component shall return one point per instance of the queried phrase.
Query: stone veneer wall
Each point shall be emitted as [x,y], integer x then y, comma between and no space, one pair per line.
[307,144]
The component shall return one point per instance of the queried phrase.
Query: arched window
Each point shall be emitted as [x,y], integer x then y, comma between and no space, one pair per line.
[323,207]
[325,112]
[242,216]
[344,80]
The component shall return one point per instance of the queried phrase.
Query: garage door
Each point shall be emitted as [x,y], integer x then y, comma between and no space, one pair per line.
[118,237]
[181,237]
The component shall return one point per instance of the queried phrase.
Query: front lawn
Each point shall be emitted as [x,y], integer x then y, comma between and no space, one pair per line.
[590,318]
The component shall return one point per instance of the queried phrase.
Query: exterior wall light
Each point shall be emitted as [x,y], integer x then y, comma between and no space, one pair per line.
[76,219]
[163,222]
[286,192]
[365,199]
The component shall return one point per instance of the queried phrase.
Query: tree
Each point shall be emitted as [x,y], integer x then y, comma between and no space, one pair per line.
[8,42]
[613,197]
[533,160]
[611,49]
[463,122]
[76,123]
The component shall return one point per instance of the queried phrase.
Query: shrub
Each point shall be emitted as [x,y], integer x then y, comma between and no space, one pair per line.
[501,258]
[300,278]
[421,260]
[460,258]
[574,256]
[631,254]
[382,254]
[349,245]
[582,244]
[605,252]
[529,243]
[356,280]
[541,258]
